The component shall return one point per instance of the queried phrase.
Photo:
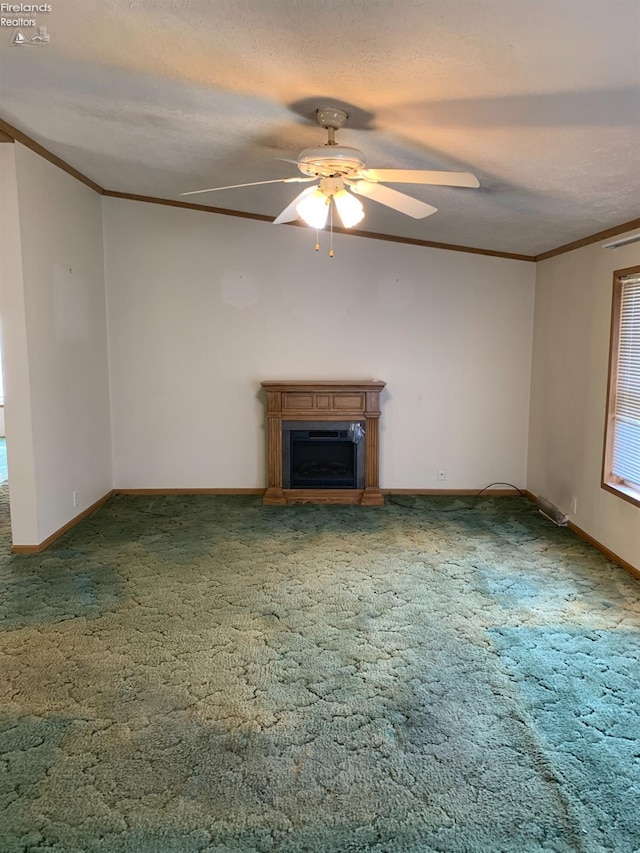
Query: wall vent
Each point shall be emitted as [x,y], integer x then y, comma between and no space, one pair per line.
[552,512]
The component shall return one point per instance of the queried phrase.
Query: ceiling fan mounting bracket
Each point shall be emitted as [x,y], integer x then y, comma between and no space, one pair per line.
[331,117]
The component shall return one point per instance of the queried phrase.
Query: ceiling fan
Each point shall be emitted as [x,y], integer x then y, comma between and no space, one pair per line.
[343,175]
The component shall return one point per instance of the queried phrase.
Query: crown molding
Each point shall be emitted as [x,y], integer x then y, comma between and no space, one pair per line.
[336,230]
[587,241]
[187,205]
[16,135]
[9,133]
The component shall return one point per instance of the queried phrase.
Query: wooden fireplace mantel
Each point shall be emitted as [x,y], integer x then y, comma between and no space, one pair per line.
[341,400]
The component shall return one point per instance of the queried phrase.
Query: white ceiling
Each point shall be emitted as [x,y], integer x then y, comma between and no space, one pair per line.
[539,98]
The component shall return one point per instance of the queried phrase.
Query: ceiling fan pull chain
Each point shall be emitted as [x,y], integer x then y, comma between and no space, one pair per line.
[317,240]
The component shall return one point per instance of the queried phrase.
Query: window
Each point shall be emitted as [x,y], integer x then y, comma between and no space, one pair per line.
[622,437]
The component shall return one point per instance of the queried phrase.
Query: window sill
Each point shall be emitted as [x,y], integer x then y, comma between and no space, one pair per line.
[623,491]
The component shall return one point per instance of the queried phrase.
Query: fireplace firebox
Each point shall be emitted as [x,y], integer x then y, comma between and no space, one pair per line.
[321,455]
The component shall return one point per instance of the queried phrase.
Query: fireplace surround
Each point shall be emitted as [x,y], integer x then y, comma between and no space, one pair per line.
[316,450]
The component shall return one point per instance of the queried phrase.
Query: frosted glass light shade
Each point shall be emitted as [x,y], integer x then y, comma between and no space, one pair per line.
[350,209]
[314,209]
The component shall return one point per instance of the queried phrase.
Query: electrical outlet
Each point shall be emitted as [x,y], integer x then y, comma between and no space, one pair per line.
[442,473]
[75,499]
[574,505]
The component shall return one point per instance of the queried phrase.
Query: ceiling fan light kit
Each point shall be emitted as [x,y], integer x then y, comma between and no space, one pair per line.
[350,209]
[338,167]
[314,209]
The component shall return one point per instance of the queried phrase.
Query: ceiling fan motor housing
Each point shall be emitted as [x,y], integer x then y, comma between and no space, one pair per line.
[331,160]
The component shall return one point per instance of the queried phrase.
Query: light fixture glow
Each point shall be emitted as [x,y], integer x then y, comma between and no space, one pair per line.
[350,209]
[314,209]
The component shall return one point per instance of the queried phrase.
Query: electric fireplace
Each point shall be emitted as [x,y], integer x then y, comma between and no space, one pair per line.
[323,442]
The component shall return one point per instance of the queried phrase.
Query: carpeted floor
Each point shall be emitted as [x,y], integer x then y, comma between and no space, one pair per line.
[4,473]
[207,675]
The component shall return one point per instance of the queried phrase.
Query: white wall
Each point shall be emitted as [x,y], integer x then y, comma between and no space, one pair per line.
[24,513]
[65,347]
[202,307]
[569,388]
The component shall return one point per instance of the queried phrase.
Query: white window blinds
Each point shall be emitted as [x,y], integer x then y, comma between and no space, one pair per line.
[626,440]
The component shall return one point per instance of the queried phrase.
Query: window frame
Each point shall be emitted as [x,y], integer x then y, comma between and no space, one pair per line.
[611,482]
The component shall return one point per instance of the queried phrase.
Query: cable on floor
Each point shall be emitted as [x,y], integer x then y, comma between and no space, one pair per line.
[457,509]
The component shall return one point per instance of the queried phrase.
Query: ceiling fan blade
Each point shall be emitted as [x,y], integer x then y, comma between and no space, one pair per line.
[421,176]
[392,198]
[286,160]
[290,213]
[252,184]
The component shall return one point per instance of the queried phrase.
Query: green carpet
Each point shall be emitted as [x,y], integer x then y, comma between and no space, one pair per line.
[4,472]
[208,675]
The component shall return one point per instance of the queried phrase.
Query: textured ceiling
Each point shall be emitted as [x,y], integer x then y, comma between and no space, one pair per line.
[539,98]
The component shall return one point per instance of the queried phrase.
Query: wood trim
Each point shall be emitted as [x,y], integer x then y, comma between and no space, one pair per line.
[611,555]
[274,496]
[195,491]
[36,549]
[18,136]
[327,415]
[319,385]
[372,235]
[372,453]
[587,241]
[607,440]
[8,133]
[274,457]
[262,491]
[634,270]
[372,497]
[326,496]
[608,479]
[621,493]
[187,205]
[427,244]
[461,492]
